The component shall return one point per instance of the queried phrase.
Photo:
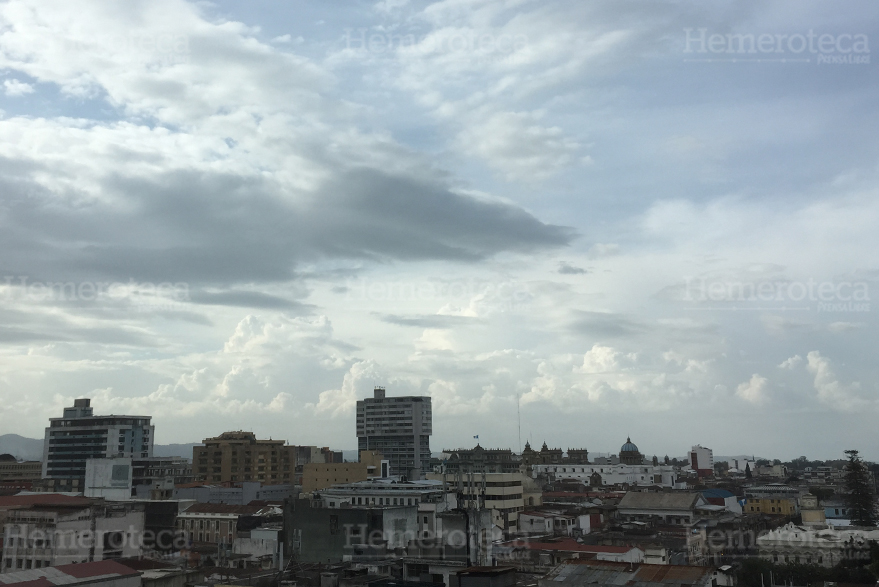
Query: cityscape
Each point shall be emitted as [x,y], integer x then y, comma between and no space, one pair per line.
[241,509]
[439,293]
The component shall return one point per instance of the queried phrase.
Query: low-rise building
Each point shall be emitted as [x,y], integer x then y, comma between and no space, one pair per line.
[770,506]
[502,493]
[11,469]
[596,475]
[217,523]
[589,573]
[49,532]
[678,508]
[317,476]
[234,493]
[826,546]
[549,551]
[811,511]
[107,573]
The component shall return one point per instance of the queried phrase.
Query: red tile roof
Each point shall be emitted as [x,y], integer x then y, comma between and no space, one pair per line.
[8,501]
[67,574]
[97,569]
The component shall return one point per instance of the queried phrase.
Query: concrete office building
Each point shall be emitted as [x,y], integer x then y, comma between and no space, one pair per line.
[239,456]
[79,435]
[399,428]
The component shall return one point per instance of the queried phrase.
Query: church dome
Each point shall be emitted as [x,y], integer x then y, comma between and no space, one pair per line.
[629,446]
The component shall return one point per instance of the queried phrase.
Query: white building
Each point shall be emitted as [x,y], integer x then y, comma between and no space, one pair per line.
[741,465]
[553,523]
[53,535]
[662,475]
[825,547]
[108,478]
[80,435]
[428,496]
[702,460]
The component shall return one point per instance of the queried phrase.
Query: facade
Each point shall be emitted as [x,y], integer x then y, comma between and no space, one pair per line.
[678,508]
[702,461]
[545,456]
[776,471]
[629,454]
[770,505]
[597,475]
[214,523]
[823,476]
[156,477]
[826,547]
[546,552]
[502,493]
[108,478]
[13,470]
[481,460]
[399,428]
[239,456]
[317,534]
[48,535]
[317,476]
[811,511]
[234,493]
[80,435]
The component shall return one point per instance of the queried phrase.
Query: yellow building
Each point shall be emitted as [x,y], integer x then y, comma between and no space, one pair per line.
[239,456]
[772,506]
[317,476]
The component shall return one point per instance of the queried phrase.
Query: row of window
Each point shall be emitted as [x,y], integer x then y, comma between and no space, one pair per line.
[27,563]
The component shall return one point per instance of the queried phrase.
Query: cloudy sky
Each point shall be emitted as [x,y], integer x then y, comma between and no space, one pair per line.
[646,218]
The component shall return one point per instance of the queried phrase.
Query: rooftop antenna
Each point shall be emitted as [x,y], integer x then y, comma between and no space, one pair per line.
[519,417]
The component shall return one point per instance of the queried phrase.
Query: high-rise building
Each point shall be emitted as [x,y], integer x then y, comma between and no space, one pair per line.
[399,428]
[80,435]
[239,456]
[702,461]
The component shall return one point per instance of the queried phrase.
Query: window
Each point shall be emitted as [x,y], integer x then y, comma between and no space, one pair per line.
[334,525]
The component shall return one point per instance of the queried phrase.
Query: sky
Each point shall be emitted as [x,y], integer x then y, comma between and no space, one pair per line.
[566,221]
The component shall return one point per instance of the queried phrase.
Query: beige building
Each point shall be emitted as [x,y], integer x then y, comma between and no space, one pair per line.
[813,514]
[13,470]
[216,523]
[503,493]
[317,476]
[239,456]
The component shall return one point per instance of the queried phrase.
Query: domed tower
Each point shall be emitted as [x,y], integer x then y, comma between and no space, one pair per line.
[629,454]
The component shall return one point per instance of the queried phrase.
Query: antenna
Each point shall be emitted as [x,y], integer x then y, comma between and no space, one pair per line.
[519,417]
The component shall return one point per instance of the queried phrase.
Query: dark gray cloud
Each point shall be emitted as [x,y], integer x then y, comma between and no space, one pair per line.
[606,325]
[248,299]
[428,320]
[566,268]
[206,228]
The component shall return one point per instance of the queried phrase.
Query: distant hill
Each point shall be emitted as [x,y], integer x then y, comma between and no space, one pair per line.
[24,449]
[31,449]
[174,450]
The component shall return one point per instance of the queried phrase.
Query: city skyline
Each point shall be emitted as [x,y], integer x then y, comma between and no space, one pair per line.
[653,219]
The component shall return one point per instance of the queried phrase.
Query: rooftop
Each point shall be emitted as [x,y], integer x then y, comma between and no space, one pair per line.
[68,574]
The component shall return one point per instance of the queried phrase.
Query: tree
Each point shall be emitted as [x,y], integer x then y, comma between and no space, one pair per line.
[859,491]
[748,474]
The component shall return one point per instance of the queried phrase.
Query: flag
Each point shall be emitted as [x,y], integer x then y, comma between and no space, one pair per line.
[476,437]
